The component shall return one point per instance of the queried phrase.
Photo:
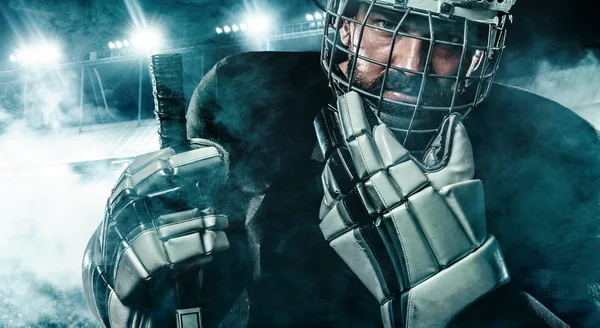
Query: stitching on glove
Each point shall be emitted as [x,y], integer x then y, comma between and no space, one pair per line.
[122,177]
[379,193]
[120,189]
[403,252]
[408,308]
[418,225]
[178,165]
[193,219]
[193,160]
[118,260]
[403,198]
[349,117]
[155,229]
[345,165]
[110,298]
[148,175]
[362,156]
[326,182]
[364,253]
[390,310]
[138,236]
[178,222]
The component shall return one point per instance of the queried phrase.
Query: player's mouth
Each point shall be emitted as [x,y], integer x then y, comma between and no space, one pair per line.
[399,96]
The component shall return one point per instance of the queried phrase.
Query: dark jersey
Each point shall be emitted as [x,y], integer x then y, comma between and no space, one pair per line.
[539,163]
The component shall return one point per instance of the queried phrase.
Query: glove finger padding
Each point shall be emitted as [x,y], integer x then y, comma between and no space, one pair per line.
[124,188]
[413,232]
[357,134]
[181,223]
[182,241]
[163,170]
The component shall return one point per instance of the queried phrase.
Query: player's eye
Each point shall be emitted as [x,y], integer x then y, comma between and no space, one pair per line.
[388,25]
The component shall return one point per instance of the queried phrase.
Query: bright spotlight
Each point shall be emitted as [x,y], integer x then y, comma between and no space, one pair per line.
[243,27]
[147,41]
[25,56]
[235,28]
[226,29]
[219,30]
[44,53]
[19,55]
[125,43]
[111,45]
[258,24]
[50,51]
[119,44]
[318,16]
[309,17]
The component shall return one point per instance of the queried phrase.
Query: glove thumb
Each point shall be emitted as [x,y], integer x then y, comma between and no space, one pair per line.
[449,160]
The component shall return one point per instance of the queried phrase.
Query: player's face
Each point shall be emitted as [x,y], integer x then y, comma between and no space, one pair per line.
[409,52]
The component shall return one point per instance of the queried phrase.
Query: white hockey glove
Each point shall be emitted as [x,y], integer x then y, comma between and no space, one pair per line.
[413,233]
[161,218]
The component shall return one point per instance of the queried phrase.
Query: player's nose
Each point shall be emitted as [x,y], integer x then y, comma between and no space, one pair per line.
[410,53]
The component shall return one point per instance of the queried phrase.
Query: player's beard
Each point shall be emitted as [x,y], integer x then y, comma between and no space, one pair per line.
[400,116]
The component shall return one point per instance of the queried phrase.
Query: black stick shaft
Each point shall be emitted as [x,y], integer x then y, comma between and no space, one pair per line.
[166,72]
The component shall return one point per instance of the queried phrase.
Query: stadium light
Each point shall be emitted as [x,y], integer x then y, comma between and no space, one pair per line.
[318,16]
[226,29]
[309,17]
[40,54]
[235,28]
[125,43]
[111,45]
[50,51]
[257,24]
[243,27]
[119,44]
[19,55]
[147,41]
[219,30]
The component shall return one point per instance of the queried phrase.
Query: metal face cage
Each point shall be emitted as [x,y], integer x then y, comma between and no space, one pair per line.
[461,44]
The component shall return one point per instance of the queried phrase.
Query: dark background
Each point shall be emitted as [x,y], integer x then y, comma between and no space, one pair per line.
[559,32]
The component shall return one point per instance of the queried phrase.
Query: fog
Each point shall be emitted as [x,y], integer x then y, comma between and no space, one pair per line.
[574,86]
[48,215]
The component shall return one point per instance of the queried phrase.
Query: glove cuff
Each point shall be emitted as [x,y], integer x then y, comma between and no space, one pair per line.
[466,281]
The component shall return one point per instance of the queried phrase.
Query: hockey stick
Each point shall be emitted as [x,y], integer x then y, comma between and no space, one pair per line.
[166,72]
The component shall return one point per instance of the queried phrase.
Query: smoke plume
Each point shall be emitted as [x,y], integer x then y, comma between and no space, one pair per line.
[48,215]
[574,86]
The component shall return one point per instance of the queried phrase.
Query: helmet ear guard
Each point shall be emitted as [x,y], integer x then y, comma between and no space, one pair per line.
[480,22]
